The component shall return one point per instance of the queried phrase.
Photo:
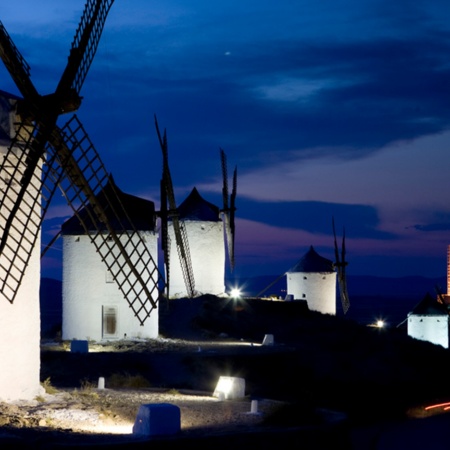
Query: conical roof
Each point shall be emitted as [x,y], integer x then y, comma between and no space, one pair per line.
[429,306]
[139,211]
[195,207]
[312,262]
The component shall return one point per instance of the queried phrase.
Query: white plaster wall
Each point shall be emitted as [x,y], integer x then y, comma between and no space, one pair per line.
[433,329]
[20,328]
[318,289]
[86,290]
[207,250]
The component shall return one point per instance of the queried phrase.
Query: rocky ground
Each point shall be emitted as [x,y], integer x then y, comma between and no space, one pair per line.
[317,364]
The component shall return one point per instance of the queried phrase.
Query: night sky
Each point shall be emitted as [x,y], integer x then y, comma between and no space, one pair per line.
[328,108]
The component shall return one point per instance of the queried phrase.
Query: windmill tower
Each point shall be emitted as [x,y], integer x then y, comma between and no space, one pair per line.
[70,161]
[206,245]
[429,321]
[93,306]
[197,233]
[313,279]
[19,322]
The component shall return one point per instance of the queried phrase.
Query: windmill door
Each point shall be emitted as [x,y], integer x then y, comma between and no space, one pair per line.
[109,328]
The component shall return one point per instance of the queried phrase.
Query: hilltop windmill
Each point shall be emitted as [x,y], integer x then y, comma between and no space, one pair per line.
[71,162]
[200,230]
[313,278]
[340,265]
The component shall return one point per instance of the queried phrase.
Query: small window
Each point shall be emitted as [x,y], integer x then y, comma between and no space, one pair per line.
[305,278]
[109,321]
[303,295]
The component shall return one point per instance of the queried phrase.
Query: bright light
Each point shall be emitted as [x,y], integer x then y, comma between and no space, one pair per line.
[229,388]
[236,293]
[378,324]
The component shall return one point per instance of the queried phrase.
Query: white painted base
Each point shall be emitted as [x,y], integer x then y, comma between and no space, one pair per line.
[433,329]
[207,250]
[20,339]
[318,289]
[88,295]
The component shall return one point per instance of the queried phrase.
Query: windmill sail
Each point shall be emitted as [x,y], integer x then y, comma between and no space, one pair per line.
[181,239]
[94,200]
[341,264]
[20,222]
[70,161]
[229,207]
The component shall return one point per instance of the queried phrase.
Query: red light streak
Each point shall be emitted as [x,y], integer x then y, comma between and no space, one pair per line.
[439,405]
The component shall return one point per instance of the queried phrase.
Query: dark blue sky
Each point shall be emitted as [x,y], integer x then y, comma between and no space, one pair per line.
[331,108]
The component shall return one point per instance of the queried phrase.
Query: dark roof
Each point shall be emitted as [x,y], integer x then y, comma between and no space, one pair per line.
[195,207]
[313,262]
[429,306]
[139,211]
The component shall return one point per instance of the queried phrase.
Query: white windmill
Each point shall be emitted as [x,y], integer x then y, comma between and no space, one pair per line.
[313,279]
[93,306]
[197,231]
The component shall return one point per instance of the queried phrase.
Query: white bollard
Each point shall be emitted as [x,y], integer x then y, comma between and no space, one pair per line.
[268,339]
[254,407]
[101,383]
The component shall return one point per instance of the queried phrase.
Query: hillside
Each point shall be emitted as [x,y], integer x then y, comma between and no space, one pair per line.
[318,360]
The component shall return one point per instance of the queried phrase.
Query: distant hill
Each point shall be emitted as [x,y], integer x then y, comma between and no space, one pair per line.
[413,287]
[370,297]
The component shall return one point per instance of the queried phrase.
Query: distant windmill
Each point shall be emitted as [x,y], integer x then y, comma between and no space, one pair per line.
[200,230]
[341,264]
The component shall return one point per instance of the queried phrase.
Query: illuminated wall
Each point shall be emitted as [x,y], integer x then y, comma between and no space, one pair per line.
[205,235]
[93,306]
[20,321]
[318,289]
[431,328]
[207,250]
[313,279]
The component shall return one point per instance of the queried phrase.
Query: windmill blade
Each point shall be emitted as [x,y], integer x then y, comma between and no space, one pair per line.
[226,207]
[44,111]
[343,277]
[94,199]
[178,225]
[84,47]
[340,265]
[232,215]
[16,65]
[229,208]
[20,221]
[165,235]
[336,251]
[223,158]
